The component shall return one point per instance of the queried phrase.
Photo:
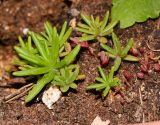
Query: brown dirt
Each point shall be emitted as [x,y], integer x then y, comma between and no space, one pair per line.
[78,107]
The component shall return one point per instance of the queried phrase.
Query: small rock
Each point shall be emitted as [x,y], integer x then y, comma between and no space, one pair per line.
[6,27]
[74,12]
[25,31]
[50,96]
[98,121]
[119,115]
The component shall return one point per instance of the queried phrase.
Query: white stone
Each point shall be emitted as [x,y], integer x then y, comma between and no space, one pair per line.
[25,31]
[98,121]
[50,96]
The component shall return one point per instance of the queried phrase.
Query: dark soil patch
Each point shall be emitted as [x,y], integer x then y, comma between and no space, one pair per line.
[80,107]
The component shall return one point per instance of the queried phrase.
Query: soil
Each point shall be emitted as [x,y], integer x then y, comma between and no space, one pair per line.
[141,97]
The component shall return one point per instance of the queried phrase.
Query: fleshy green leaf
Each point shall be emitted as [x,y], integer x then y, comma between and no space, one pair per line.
[127,48]
[109,28]
[105,92]
[86,38]
[65,37]
[115,82]
[21,42]
[33,59]
[69,58]
[105,20]
[107,48]
[116,42]
[85,31]
[49,30]
[32,71]
[73,85]
[64,88]
[86,19]
[100,79]
[117,63]
[55,47]
[131,58]
[95,85]
[39,46]
[39,86]
[102,73]
[83,25]
[74,75]
[63,30]
[111,74]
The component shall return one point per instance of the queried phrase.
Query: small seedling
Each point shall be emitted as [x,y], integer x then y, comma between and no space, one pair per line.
[94,28]
[105,82]
[44,58]
[118,52]
[66,77]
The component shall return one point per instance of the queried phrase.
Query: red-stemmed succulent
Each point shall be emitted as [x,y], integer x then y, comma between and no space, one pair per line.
[141,50]
[75,41]
[157,67]
[133,51]
[127,75]
[104,58]
[140,75]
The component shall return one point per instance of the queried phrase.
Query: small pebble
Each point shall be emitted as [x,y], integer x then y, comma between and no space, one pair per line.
[25,31]
[50,96]
[98,121]
[74,12]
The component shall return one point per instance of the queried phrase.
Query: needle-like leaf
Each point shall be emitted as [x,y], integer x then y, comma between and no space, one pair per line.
[105,20]
[39,86]
[86,19]
[39,46]
[117,63]
[69,58]
[116,42]
[32,71]
[108,49]
[102,73]
[86,38]
[127,48]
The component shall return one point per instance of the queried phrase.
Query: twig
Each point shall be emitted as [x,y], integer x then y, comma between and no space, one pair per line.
[141,101]
[19,93]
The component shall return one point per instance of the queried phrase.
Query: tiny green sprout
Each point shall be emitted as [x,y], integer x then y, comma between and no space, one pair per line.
[66,77]
[43,58]
[105,82]
[94,28]
[118,52]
